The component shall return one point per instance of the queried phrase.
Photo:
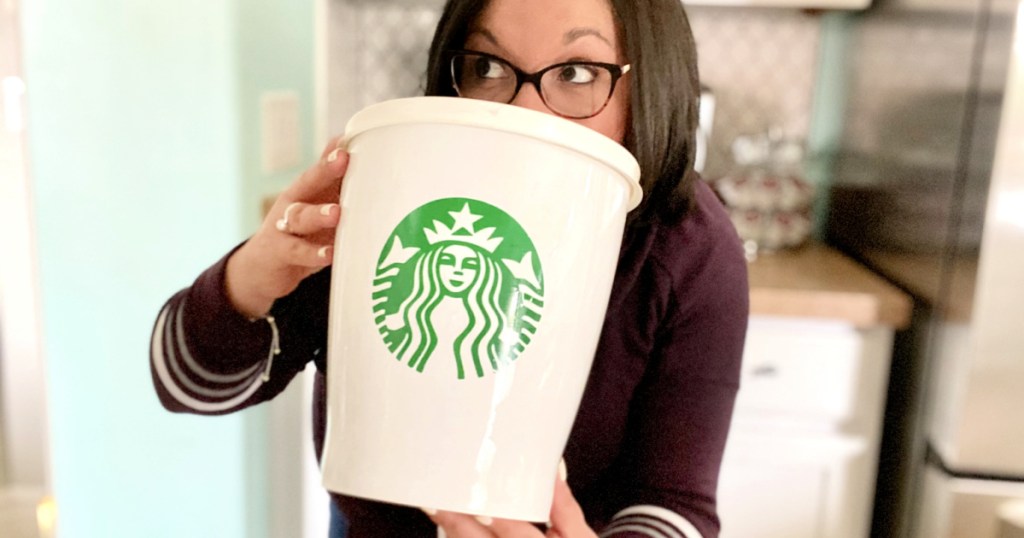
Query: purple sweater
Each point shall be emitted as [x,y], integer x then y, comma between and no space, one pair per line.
[646,447]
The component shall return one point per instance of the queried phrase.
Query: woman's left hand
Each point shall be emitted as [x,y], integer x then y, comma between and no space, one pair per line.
[567,521]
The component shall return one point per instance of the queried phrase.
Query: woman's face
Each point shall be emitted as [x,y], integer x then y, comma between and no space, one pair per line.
[457,268]
[533,34]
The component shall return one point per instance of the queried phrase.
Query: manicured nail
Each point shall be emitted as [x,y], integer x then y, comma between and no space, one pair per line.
[333,156]
[322,252]
[563,473]
[429,511]
[484,520]
[325,209]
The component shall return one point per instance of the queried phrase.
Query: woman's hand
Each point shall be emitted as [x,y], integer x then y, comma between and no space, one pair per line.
[295,240]
[567,521]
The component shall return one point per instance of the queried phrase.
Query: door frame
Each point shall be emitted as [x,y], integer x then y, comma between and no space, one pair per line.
[24,440]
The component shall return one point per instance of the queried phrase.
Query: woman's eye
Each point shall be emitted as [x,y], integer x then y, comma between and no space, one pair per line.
[577,74]
[488,68]
[471,264]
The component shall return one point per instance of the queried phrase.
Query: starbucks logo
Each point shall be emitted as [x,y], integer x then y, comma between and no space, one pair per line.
[470,252]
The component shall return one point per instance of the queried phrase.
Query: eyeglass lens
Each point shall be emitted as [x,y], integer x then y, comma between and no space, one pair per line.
[573,90]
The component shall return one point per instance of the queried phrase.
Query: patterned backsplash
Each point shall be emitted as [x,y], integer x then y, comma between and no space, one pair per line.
[760,63]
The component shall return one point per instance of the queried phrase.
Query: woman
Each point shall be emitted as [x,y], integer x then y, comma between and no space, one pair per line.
[646,447]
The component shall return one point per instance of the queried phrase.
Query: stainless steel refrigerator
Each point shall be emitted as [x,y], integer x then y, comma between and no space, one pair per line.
[928,189]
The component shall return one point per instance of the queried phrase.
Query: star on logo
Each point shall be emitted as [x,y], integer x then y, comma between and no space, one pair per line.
[398,254]
[523,270]
[464,219]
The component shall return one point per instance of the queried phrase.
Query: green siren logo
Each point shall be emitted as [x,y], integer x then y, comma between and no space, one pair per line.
[463,250]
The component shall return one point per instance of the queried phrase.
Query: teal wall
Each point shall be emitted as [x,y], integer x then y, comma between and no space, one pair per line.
[275,42]
[275,53]
[144,164]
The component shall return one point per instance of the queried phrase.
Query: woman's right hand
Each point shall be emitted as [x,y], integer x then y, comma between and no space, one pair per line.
[286,250]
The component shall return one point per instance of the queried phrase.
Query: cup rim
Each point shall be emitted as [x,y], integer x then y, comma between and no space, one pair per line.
[502,117]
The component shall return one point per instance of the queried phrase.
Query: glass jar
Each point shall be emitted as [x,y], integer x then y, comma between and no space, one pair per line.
[767,196]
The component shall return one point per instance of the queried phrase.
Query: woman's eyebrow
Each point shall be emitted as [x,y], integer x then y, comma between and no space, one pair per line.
[576,33]
[486,34]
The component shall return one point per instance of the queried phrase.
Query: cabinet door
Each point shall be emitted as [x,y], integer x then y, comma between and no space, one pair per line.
[774,500]
[820,373]
[795,487]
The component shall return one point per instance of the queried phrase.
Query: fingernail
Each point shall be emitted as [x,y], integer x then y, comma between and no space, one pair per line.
[563,473]
[322,252]
[333,156]
[325,209]
[484,520]
[429,511]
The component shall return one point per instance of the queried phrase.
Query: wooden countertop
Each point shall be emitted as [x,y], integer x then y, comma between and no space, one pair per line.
[922,276]
[818,282]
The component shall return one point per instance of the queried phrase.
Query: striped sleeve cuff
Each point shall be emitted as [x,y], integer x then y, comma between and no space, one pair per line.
[650,521]
[182,379]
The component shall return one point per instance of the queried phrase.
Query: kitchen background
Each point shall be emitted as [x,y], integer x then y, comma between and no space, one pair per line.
[761,63]
[155,131]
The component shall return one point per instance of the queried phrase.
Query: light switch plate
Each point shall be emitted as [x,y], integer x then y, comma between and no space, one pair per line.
[281,140]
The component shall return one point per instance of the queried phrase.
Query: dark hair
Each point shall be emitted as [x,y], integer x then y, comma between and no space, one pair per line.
[656,39]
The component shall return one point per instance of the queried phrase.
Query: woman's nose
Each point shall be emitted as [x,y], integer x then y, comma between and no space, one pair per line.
[529,97]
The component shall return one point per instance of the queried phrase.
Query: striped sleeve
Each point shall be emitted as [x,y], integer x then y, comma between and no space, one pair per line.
[649,521]
[206,358]
[183,384]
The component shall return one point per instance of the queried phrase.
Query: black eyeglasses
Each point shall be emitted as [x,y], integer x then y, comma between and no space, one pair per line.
[574,90]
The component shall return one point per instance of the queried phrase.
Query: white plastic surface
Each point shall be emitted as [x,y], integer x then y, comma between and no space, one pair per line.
[505,118]
[481,445]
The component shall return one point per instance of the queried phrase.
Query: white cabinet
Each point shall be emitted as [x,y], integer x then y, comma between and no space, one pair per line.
[802,453]
[800,370]
[795,486]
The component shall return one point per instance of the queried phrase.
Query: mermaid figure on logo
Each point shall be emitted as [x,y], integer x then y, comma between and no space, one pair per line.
[502,296]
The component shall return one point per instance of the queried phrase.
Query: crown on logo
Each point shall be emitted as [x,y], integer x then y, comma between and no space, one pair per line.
[463,222]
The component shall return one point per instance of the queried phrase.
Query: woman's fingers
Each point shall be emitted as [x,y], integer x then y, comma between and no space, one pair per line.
[302,219]
[332,144]
[567,517]
[459,525]
[320,180]
[294,241]
[465,526]
[510,528]
[303,253]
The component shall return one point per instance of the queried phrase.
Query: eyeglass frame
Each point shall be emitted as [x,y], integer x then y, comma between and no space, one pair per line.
[522,77]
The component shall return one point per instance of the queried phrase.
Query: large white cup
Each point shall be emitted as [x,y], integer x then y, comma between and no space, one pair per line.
[474,260]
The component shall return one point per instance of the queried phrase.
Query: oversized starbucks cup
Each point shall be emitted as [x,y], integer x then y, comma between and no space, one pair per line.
[473,265]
